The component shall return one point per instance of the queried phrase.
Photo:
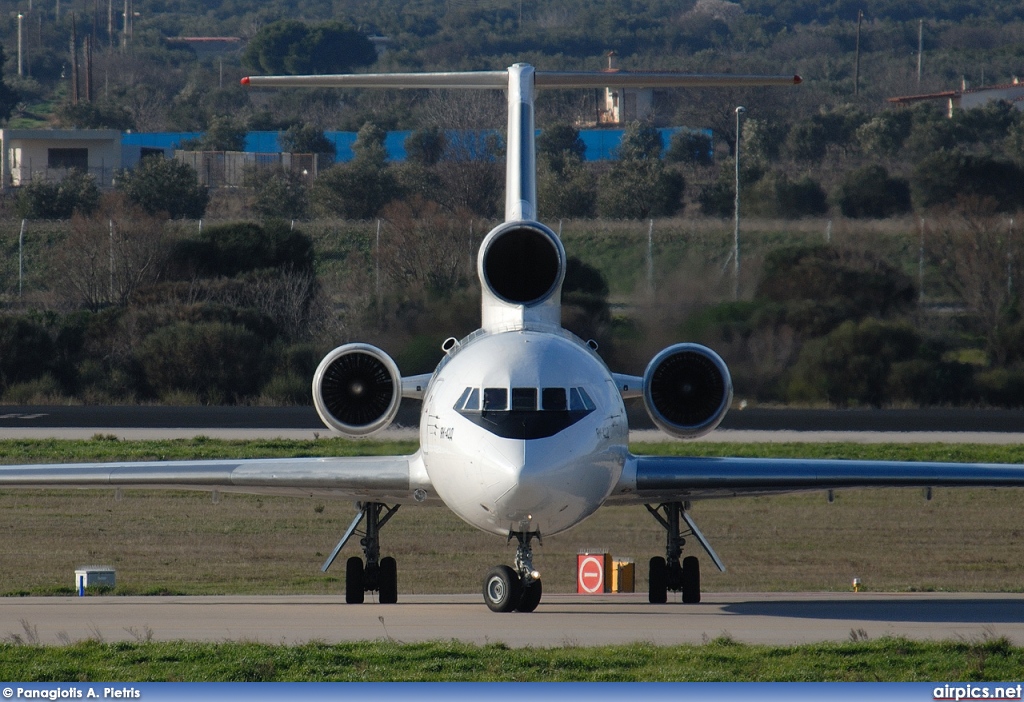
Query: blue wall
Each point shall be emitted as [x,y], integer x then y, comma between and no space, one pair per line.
[601,143]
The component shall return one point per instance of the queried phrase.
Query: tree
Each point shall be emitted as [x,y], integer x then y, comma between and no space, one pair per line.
[277,192]
[168,186]
[109,256]
[358,189]
[8,96]
[565,186]
[980,255]
[639,185]
[307,139]
[222,134]
[425,147]
[77,192]
[687,146]
[290,46]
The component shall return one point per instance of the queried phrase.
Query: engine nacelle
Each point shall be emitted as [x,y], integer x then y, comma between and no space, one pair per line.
[357,389]
[521,263]
[687,390]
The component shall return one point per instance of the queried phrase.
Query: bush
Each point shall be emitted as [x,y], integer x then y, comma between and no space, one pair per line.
[76,193]
[27,351]
[946,177]
[776,195]
[165,186]
[870,192]
[231,249]
[217,362]
[852,365]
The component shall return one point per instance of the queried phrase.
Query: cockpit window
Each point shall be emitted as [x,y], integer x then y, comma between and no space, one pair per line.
[473,401]
[524,399]
[580,400]
[461,402]
[553,399]
[495,399]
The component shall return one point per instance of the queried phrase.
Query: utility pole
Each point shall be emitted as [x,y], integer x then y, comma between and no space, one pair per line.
[74,61]
[736,230]
[920,49]
[856,68]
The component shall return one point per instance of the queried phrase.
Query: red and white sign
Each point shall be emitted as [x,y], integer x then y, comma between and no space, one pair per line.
[591,570]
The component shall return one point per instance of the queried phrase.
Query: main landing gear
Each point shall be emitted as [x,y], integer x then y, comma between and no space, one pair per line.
[515,589]
[379,575]
[671,573]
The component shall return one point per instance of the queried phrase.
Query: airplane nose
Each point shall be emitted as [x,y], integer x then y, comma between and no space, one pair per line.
[538,490]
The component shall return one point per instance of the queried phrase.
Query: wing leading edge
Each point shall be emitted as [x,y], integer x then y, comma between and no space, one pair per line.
[396,479]
[653,479]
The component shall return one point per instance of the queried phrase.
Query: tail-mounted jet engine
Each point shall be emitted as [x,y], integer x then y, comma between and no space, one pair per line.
[522,263]
[357,389]
[687,390]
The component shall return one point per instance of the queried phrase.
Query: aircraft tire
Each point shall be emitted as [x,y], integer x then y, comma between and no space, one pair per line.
[502,589]
[657,581]
[530,598]
[354,591]
[691,580]
[388,592]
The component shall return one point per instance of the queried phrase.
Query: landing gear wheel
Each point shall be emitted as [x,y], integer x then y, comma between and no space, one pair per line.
[530,598]
[388,581]
[691,580]
[657,581]
[502,589]
[354,590]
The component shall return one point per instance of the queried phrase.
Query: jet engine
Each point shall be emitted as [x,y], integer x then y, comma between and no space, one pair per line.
[522,263]
[687,390]
[357,389]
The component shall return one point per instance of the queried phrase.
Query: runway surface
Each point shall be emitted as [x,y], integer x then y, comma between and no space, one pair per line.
[561,620]
[750,425]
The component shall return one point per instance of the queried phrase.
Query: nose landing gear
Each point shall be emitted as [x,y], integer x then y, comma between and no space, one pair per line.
[515,589]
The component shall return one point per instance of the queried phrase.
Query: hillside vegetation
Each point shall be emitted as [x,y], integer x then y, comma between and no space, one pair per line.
[881,252]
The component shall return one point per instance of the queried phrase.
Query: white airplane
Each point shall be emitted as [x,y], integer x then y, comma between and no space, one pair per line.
[523,430]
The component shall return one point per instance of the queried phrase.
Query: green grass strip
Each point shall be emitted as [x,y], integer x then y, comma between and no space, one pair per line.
[887,659]
[105,448]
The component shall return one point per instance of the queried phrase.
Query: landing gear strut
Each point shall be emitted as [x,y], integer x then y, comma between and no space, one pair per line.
[379,574]
[515,589]
[671,573]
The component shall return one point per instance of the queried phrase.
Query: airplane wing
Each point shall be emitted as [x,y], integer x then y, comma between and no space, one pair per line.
[659,479]
[393,479]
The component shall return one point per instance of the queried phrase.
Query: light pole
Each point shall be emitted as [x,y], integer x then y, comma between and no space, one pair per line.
[736,231]
[21,17]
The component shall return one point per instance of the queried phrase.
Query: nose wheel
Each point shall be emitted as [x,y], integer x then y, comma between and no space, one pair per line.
[518,589]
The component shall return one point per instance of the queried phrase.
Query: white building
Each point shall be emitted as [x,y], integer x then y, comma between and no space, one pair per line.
[966,98]
[50,153]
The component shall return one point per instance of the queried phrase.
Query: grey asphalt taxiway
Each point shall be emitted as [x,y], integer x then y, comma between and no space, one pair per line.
[561,620]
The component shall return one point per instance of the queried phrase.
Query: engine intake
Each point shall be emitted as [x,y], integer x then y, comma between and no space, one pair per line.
[522,262]
[357,389]
[687,390]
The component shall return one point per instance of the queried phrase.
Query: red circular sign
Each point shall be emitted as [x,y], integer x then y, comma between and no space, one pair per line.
[591,574]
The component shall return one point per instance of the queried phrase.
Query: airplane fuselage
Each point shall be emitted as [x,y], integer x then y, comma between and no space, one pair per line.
[523,431]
